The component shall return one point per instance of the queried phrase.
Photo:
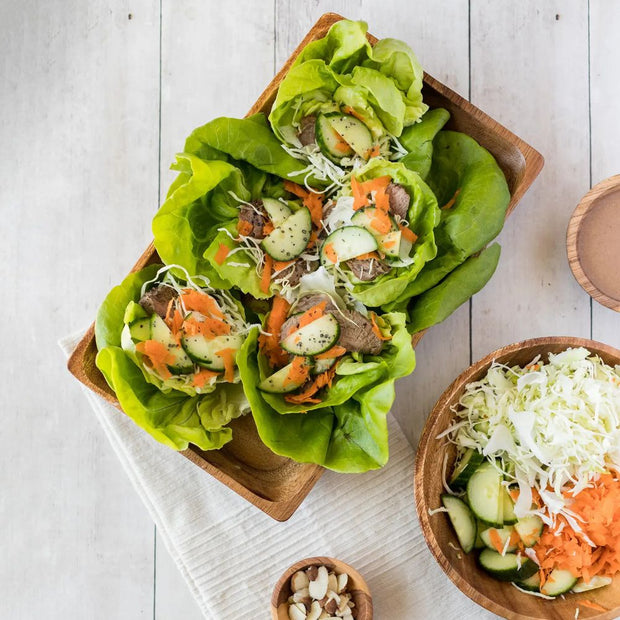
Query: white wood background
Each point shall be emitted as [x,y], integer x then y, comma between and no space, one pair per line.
[95,99]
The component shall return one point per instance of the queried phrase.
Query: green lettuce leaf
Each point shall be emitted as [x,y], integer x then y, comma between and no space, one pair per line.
[439,302]
[477,215]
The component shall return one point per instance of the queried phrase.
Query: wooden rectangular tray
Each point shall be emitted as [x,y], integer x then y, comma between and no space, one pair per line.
[277,485]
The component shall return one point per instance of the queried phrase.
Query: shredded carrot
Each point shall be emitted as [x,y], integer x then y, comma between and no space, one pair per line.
[349,110]
[312,314]
[331,253]
[452,200]
[375,328]
[267,228]
[265,279]
[221,254]
[314,237]
[244,228]
[496,540]
[515,539]
[408,234]
[299,371]
[270,342]
[158,356]
[201,302]
[377,187]
[207,327]
[367,255]
[342,145]
[307,396]
[360,199]
[278,265]
[381,222]
[389,244]
[203,377]
[591,605]
[228,355]
[311,200]
[375,151]
[335,351]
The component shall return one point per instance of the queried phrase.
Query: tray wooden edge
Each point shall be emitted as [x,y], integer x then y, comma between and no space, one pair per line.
[428,434]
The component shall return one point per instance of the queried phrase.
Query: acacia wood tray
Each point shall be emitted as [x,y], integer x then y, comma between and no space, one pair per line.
[275,484]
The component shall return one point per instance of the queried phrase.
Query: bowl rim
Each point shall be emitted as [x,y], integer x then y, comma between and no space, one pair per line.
[587,204]
[428,435]
[330,562]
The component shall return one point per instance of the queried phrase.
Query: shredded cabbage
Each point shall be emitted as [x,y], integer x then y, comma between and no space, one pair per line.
[554,427]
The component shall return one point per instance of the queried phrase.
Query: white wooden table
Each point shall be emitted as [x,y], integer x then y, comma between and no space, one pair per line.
[97,97]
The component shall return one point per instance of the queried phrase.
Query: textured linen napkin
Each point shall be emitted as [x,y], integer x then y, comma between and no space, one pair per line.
[231,554]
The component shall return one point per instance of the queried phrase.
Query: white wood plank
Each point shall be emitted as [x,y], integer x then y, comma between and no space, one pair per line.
[216,60]
[605,94]
[78,138]
[530,72]
[438,34]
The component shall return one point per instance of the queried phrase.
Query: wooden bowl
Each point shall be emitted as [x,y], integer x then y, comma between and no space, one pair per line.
[357,587]
[500,598]
[597,270]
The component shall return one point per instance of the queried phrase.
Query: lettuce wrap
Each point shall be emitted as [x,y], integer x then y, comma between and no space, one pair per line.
[344,101]
[152,332]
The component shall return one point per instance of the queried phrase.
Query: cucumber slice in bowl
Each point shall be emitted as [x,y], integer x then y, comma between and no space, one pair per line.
[346,243]
[160,332]
[140,330]
[353,132]
[331,143]
[598,581]
[314,338]
[204,351]
[290,238]
[530,529]
[277,211]
[531,584]
[469,463]
[484,491]
[508,567]
[462,521]
[558,582]
[503,534]
[279,383]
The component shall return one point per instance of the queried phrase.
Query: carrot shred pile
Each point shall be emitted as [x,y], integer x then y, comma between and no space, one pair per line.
[598,510]
[311,200]
[335,351]
[203,377]
[208,327]
[312,314]
[270,342]
[298,372]
[408,234]
[201,302]
[221,254]
[157,355]
[265,279]
[244,228]
[362,190]
[228,355]
[307,395]
[375,328]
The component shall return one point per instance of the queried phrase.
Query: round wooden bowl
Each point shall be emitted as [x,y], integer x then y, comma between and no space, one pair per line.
[500,598]
[356,586]
[604,195]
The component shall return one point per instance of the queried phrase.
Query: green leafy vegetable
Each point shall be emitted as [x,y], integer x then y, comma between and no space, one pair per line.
[439,302]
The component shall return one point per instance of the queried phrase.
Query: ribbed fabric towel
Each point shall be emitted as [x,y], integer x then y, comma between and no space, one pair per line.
[231,554]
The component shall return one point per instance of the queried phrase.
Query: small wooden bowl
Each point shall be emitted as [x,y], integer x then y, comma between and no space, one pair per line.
[500,598]
[357,587]
[604,195]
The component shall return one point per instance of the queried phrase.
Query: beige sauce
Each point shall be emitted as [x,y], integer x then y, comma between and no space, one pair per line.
[598,244]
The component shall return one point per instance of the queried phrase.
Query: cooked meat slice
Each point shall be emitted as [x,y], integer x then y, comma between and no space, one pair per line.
[306,133]
[157,299]
[366,269]
[399,200]
[256,216]
[292,274]
[356,332]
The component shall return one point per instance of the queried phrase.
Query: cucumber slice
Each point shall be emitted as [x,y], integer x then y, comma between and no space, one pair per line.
[531,584]
[314,338]
[470,461]
[389,244]
[504,534]
[204,351]
[346,243]
[277,211]
[484,490]
[353,132]
[159,331]
[134,311]
[405,248]
[332,145]
[510,518]
[480,527]
[558,582]
[462,521]
[364,218]
[323,365]
[278,383]
[290,239]
[530,529]
[506,567]
[140,330]
[595,582]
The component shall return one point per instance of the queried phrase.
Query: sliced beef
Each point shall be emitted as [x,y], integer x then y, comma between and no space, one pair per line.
[356,332]
[157,299]
[306,132]
[293,273]
[256,216]
[399,200]
[366,269]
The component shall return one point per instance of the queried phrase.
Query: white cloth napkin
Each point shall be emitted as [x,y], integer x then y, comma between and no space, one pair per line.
[231,554]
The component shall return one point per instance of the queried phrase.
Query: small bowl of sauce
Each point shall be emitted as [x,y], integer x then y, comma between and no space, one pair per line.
[593,243]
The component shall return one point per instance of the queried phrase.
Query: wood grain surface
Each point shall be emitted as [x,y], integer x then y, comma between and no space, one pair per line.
[96,105]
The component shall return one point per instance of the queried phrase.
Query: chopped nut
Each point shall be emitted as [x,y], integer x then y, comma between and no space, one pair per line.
[332,582]
[300,595]
[312,572]
[315,611]
[299,581]
[330,606]
[344,602]
[297,612]
[343,578]
[318,586]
